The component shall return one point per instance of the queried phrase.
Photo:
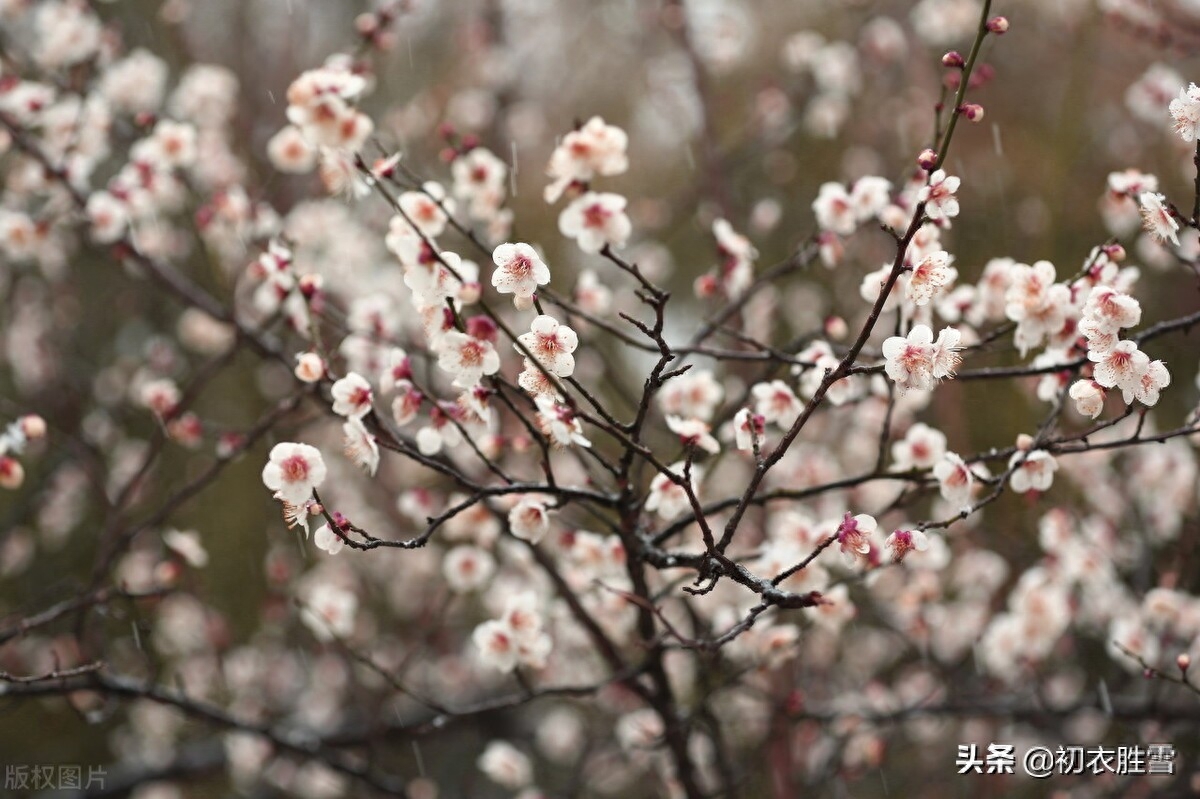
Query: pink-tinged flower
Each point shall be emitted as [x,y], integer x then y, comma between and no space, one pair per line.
[1157,218]
[921,448]
[559,423]
[776,403]
[1120,367]
[529,519]
[352,396]
[426,209]
[161,397]
[595,149]
[497,645]
[667,497]
[533,379]
[748,427]
[955,480]
[467,568]
[519,270]
[1035,472]
[1185,113]
[506,766]
[397,370]
[290,152]
[901,542]
[938,196]
[108,216]
[326,540]
[916,362]
[1109,306]
[929,277]
[695,394]
[293,471]
[12,473]
[468,358]
[853,536]
[407,402]
[1088,396]
[360,445]
[595,220]
[551,344]
[1101,336]
[310,367]
[870,196]
[1149,383]
[834,209]
[319,104]
[329,612]
[693,433]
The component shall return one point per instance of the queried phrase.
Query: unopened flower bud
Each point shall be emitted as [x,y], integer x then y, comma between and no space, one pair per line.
[33,426]
[482,327]
[469,293]
[1024,442]
[836,328]
[310,285]
[706,286]
[12,474]
[309,367]
[1115,252]
[972,111]
[954,60]
[998,25]
[1183,661]
[927,160]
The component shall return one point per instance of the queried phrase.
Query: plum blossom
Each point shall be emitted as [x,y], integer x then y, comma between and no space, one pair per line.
[938,196]
[668,498]
[519,271]
[917,362]
[921,448]
[901,542]
[1032,471]
[1185,113]
[693,432]
[426,209]
[551,344]
[853,536]
[468,358]
[329,611]
[595,149]
[516,638]
[776,403]
[748,427]
[1157,218]
[293,471]
[929,277]
[320,105]
[360,445]
[505,765]
[1088,396]
[955,480]
[326,540]
[352,396]
[1121,367]
[467,568]
[1149,383]
[834,209]
[529,519]
[595,221]
[559,423]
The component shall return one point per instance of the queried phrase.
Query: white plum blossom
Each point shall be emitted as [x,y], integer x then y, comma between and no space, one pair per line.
[360,445]
[955,480]
[293,471]
[938,196]
[901,542]
[559,423]
[929,277]
[1121,367]
[529,519]
[467,568]
[917,362]
[693,433]
[327,540]
[468,358]
[1088,396]
[505,765]
[1032,471]
[519,271]
[921,447]
[551,344]
[748,427]
[1149,383]
[352,396]
[668,498]
[1158,219]
[834,209]
[329,611]
[869,196]
[1185,113]
[595,221]
[595,149]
